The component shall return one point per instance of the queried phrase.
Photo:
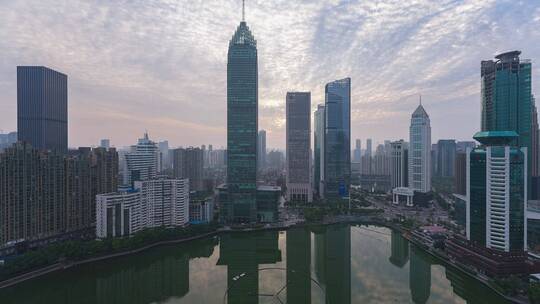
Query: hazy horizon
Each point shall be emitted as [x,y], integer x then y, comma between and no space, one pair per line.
[161,66]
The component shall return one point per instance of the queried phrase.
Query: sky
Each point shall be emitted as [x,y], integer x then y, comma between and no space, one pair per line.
[160,65]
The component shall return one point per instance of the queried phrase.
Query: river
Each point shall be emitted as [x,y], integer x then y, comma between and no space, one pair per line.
[336,264]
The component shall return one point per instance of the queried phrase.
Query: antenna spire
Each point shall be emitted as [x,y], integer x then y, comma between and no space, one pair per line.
[420,99]
[243,10]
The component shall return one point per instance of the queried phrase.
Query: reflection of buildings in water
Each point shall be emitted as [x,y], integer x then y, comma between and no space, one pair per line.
[153,277]
[470,290]
[333,262]
[298,266]
[400,250]
[242,254]
[419,276]
[319,256]
[154,282]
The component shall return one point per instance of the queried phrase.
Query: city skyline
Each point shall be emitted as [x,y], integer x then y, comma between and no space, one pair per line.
[115,82]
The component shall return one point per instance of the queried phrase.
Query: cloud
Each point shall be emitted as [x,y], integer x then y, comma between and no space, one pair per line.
[162,64]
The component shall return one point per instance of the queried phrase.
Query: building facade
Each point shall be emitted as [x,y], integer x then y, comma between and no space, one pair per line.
[298,142]
[460,173]
[507,102]
[118,214]
[497,192]
[142,161]
[318,155]
[420,151]
[188,163]
[535,142]
[337,139]
[242,127]
[164,202]
[446,157]
[357,155]
[42,108]
[261,150]
[201,211]
[8,139]
[399,164]
[51,195]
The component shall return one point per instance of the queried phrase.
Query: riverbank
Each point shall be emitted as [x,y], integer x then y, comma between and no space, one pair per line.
[63,265]
[352,220]
[449,263]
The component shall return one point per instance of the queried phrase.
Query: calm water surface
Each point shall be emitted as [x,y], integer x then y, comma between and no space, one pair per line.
[336,264]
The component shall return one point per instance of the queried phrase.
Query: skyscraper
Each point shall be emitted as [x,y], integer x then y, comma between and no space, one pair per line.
[446,157]
[337,139]
[141,161]
[318,138]
[164,162]
[261,150]
[399,162]
[42,110]
[298,107]
[460,173]
[420,151]
[188,163]
[496,194]
[357,157]
[242,127]
[105,143]
[535,144]
[507,103]
[367,161]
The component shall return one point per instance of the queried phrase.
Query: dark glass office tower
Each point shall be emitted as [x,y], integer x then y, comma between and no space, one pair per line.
[337,139]
[507,103]
[242,113]
[42,112]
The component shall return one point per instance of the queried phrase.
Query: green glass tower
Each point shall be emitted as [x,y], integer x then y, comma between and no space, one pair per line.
[507,103]
[242,113]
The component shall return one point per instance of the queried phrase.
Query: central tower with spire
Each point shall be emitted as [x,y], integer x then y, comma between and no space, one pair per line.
[240,206]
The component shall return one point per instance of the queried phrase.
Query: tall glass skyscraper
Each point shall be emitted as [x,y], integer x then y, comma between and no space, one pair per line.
[506,98]
[318,143]
[242,113]
[42,111]
[337,139]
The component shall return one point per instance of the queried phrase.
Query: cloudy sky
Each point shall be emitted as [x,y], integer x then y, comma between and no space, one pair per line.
[161,65]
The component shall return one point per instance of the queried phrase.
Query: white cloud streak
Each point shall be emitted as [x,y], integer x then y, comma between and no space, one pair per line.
[161,65]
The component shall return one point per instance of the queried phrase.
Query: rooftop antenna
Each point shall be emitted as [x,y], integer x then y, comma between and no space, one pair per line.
[420,99]
[243,10]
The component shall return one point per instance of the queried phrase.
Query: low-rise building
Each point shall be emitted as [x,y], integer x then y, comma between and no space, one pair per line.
[118,214]
[201,211]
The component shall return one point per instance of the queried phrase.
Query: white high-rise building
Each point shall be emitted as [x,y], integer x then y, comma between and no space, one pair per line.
[141,161]
[153,203]
[164,202]
[118,214]
[420,151]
